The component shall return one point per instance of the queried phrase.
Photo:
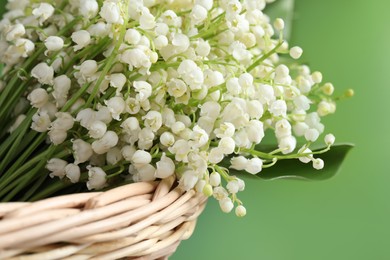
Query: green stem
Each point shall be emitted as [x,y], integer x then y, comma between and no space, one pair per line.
[34,187]
[24,169]
[26,154]
[264,57]
[24,181]
[49,190]
[12,150]
[110,61]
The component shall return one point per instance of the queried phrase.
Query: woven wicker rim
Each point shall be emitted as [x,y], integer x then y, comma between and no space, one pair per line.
[145,220]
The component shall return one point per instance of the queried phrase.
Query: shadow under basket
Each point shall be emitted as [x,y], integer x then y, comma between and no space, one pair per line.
[145,220]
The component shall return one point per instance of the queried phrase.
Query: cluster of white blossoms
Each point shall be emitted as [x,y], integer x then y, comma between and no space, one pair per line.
[147,89]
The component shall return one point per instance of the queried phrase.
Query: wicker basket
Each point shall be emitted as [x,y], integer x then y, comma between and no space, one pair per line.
[144,220]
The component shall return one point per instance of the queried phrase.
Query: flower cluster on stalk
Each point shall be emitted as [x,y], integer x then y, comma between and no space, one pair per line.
[159,88]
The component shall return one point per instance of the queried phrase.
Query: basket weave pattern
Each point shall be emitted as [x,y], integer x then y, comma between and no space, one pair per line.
[145,220]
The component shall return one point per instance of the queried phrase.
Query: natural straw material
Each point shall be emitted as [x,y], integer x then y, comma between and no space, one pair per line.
[145,220]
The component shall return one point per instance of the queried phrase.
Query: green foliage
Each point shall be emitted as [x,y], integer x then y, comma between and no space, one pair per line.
[294,169]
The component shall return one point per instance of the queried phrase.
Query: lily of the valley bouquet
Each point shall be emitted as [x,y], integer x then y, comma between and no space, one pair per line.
[98,93]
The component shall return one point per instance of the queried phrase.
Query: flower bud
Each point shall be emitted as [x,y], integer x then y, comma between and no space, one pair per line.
[279,24]
[207,190]
[318,164]
[215,155]
[177,127]
[329,139]
[317,77]
[240,211]
[167,139]
[141,157]
[296,52]
[215,179]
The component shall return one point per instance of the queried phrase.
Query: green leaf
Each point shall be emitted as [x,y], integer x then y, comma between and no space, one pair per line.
[282,9]
[295,169]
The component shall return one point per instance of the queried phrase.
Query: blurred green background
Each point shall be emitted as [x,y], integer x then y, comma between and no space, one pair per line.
[346,217]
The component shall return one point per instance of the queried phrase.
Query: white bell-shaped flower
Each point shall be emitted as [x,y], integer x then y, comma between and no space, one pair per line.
[103,145]
[25,46]
[43,73]
[82,38]
[226,204]
[111,12]
[254,166]
[40,122]
[96,178]
[72,172]
[88,8]
[38,97]
[238,163]
[54,43]
[153,120]
[57,136]
[56,167]
[165,167]
[14,32]
[116,106]
[82,151]
[43,12]
[215,179]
